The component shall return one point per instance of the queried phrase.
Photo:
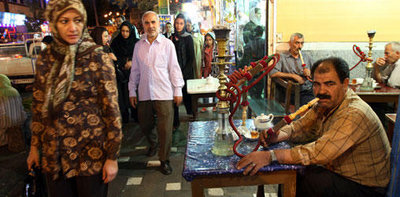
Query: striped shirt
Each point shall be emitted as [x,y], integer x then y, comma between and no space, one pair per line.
[350,140]
[11,112]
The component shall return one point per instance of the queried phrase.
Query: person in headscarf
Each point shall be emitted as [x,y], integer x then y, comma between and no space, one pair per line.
[185,53]
[12,116]
[208,54]
[100,36]
[76,123]
[123,46]
[254,51]
[198,41]
[249,28]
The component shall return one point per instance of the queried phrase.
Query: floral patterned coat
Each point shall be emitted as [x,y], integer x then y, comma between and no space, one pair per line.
[86,130]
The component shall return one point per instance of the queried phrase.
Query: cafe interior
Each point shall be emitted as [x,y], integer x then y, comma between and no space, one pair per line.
[356,31]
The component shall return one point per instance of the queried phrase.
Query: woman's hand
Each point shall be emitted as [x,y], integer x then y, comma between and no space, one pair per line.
[112,56]
[110,170]
[33,158]
[128,65]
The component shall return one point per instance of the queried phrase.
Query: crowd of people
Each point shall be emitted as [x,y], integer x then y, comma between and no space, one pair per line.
[87,85]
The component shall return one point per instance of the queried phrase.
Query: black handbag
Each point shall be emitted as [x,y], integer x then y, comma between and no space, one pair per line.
[34,184]
[121,75]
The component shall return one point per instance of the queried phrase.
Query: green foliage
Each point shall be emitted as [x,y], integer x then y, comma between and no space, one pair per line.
[147,5]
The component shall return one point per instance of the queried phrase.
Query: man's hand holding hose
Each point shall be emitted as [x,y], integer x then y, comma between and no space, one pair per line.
[273,135]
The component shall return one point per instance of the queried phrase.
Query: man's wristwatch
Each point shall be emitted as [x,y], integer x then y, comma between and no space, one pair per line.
[273,156]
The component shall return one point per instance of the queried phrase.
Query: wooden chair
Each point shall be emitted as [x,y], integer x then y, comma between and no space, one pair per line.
[289,87]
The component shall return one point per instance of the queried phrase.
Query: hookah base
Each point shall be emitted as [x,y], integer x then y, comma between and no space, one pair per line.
[221,148]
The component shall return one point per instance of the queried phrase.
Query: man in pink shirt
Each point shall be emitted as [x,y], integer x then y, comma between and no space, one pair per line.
[157,76]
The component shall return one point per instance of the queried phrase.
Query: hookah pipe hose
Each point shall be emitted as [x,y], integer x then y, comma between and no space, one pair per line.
[289,118]
[363,57]
[238,78]
[304,65]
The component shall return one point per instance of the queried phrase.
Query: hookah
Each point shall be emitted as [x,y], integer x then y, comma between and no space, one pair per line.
[230,93]
[223,140]
[367,84]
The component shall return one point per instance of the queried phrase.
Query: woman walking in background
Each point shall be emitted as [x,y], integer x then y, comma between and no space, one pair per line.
[76,123]
[185,53]
[101,37]
[123,46]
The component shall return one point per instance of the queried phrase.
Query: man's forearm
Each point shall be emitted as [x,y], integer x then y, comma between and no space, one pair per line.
[284,75]
[284,156]
[377,74]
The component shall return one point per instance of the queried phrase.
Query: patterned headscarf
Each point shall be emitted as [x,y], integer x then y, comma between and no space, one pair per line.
[58,83]
[6,90]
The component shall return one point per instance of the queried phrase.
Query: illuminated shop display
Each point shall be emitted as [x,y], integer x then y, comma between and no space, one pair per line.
[11,20]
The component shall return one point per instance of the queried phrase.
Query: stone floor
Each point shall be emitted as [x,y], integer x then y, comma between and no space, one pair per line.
[138,174]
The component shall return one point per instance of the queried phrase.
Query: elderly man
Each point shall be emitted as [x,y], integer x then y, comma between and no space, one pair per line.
[387,68]
[344,146]
[290,67]
[155,69]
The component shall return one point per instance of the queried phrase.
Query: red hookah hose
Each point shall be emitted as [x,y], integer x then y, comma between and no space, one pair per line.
[237,76]
[363,57]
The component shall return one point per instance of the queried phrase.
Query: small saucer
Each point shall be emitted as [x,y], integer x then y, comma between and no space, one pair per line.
[248,137]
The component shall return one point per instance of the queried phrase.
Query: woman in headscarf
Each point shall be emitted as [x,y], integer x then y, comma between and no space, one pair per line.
[185,53]
[249,28]
[100,36]
[208,55]
[123,46]
[198,42]
[76,123]
[12,116]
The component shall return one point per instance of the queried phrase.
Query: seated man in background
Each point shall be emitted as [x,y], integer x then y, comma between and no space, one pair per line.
[387,68]
[342,143]
[290,67]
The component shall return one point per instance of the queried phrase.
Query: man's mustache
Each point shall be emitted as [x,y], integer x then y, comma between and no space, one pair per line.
[323,96]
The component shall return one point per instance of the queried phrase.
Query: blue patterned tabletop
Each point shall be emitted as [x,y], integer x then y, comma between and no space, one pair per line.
[200,161]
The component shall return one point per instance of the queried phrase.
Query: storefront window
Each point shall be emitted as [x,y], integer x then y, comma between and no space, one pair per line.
[250,39]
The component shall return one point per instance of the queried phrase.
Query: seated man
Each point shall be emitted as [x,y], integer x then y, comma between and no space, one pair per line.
[290,67]
[345,148]
[387,68]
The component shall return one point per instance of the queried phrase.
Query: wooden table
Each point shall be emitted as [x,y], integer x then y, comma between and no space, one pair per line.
[391,117]
[200,88]
[206,170]
[285,177]
[384,94]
